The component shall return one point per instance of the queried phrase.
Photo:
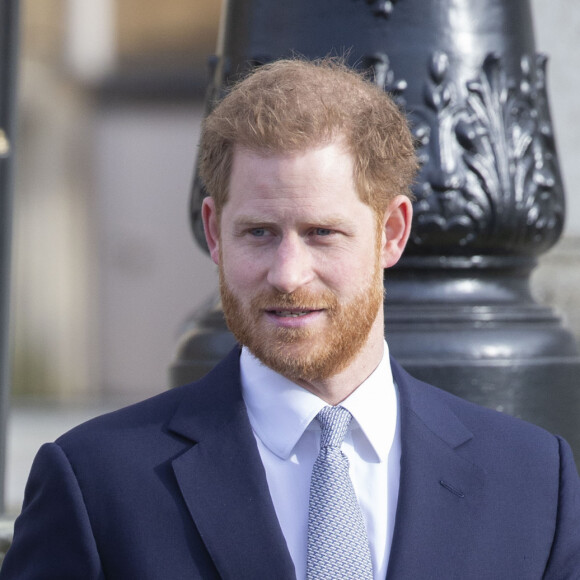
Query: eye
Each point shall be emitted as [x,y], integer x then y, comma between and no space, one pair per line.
[322,231]
[258,232]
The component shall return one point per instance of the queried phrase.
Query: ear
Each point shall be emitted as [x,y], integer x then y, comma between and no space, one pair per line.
[211,228]
[396,229]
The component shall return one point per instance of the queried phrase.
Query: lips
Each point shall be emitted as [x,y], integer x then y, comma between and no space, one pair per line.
[290,313]
[292,317]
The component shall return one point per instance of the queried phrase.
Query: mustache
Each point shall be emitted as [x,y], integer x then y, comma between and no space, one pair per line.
[300,299]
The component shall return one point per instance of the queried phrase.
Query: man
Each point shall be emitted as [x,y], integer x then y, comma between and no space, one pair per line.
[245,473]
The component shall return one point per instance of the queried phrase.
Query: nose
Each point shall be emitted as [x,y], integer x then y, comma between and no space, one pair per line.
[291,266]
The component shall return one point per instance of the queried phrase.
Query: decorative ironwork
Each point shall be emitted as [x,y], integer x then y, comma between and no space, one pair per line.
[490,177]
[384,76]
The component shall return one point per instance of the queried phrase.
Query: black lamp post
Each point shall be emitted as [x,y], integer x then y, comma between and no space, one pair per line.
[459,312]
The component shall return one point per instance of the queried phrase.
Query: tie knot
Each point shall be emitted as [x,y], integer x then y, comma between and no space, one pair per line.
[334,423]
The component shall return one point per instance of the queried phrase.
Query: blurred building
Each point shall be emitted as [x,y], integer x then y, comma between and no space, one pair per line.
[111,100]
[106,270]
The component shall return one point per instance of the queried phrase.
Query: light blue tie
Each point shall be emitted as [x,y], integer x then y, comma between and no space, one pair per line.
[338,547]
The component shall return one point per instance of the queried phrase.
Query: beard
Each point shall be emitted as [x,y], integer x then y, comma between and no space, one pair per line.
[305,354]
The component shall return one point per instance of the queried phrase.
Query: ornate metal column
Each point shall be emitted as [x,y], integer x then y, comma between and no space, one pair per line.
[8,60]
[459,312]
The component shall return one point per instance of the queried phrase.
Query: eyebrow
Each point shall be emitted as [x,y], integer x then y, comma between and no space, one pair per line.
[328,220]
[250,219]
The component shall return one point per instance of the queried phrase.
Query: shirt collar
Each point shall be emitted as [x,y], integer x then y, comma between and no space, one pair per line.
[280,410]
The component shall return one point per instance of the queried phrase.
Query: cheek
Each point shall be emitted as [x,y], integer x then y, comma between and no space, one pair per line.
[350,275]
[359,263]
[240,273]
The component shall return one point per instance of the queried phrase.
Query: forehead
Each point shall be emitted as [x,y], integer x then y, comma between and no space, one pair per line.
[324,172]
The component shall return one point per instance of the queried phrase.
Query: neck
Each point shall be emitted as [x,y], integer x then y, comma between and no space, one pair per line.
[335,389]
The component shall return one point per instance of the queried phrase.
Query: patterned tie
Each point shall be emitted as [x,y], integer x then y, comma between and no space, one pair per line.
[337,539]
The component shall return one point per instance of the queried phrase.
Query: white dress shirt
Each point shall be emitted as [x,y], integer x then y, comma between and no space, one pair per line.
[282,415]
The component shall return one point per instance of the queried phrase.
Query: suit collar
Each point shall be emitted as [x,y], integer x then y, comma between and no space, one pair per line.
[223,482]
[280,410]
[441,490]
[211,402]
[425,401]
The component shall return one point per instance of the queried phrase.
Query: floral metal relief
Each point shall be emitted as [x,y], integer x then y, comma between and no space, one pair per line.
[489,175]
[384,76]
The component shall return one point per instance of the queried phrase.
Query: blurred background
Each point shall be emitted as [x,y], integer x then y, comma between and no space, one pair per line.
[105,269]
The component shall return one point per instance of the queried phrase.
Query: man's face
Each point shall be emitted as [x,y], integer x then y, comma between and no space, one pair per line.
[301,267]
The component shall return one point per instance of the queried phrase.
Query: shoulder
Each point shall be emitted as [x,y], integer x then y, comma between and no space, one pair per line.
[153,411]
[111,441]
[157,421]
[517,481]
[491,434]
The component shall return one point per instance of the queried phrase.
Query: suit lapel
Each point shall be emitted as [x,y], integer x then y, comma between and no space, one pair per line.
[442,493]
[224,485]
[223,482]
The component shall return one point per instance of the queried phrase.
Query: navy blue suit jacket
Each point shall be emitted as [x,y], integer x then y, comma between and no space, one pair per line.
[173,488]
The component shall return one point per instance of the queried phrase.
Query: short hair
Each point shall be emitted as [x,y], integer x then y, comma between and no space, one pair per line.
[293,105]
